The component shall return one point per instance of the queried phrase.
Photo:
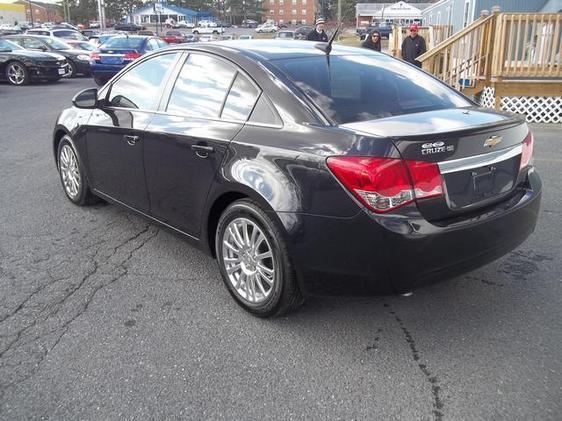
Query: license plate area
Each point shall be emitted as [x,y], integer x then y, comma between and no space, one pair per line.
[61,72]
[472,186]
[111,59]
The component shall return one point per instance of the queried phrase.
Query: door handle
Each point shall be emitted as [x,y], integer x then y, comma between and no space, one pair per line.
[202,151]
[131,140]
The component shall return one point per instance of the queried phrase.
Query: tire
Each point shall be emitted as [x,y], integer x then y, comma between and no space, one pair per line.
[264,286]
[72,176]
[71,69]
[100,81]
[195,32]
[17,74]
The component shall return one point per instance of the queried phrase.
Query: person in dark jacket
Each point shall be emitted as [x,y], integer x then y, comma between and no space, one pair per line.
[413,46]
[318,34]
[372,41]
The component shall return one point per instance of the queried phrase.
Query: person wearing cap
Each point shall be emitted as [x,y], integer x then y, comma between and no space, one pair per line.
[413,46]
[318,33]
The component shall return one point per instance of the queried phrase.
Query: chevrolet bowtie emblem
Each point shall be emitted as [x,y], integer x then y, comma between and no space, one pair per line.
[492,141]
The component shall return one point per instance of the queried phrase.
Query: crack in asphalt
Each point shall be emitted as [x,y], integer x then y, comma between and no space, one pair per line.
[54,308]
[431,379]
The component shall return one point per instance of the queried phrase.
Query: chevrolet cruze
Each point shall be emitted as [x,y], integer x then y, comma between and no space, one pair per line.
[304,172]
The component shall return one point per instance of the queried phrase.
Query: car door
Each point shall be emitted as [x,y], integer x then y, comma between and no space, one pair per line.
[115,132]
[208,104]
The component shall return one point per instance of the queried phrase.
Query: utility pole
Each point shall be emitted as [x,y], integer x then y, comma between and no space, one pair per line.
[339,12]
[31,12]
[100,15]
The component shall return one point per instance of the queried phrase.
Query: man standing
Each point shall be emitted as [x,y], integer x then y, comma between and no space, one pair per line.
[413,46]
[318,34]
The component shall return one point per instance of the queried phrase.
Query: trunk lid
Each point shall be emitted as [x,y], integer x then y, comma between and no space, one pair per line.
[478,153]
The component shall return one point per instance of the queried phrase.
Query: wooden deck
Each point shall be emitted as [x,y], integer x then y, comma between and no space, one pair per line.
[517,54]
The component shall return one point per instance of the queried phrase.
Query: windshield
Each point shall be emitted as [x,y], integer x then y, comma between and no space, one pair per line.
[6,45]
[285,35]
[56,44]
[124,43]
[367,87]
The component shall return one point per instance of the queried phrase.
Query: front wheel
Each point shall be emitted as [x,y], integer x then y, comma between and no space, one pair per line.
[72,176]
[72,69]
[17,74]
[254,261]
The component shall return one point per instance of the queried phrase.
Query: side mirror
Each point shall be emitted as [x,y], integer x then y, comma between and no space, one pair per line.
[87,98]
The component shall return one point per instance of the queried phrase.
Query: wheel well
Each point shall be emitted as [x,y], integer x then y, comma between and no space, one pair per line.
[58,136]
[221,203]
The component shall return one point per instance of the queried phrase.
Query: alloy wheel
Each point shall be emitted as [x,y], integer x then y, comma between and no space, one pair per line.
[16,74]
[69,171]
[248,260]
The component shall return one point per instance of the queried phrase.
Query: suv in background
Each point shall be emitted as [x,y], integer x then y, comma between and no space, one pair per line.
[58,33]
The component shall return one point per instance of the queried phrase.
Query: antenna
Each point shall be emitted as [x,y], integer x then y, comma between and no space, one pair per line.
[327,47]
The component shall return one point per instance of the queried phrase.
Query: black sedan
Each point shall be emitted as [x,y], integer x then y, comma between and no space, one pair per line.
[78,60]
[302,173]
[19,66]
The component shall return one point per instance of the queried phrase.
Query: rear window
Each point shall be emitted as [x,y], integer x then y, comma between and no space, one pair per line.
[367,87]
[124,43]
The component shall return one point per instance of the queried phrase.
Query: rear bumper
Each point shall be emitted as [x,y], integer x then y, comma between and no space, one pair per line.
[105,70]
[369,254]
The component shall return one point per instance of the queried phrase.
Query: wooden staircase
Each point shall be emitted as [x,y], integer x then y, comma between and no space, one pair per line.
[517,54]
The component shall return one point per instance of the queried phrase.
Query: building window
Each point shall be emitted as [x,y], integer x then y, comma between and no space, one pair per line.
[271,12]
[281,11]
[281,2]
[271,1]
[294,12]
[303,21]
[294,2]
[303,12]
[294,22]
[304,2]
[465,13]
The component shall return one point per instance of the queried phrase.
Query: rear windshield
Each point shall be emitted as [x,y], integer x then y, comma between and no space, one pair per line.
[124,43]
[367,87]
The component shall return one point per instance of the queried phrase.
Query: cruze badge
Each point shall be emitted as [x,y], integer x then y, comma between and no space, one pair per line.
[492,141]
[436,147]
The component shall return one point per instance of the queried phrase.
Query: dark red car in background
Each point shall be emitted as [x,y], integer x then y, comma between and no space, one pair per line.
[174,37]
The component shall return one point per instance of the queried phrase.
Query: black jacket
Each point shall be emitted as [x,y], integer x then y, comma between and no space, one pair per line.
[315,36]
[412,48]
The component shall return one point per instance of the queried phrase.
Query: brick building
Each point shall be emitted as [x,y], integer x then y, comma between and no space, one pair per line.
[291,12]
[42,12]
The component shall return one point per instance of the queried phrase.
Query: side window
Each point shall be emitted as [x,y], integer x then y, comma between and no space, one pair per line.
[32,43]
[140,86]
[161,43]
[264,113]
[201,86]
[240,100]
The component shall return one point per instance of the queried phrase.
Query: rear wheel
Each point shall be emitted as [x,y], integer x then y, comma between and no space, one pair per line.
[72,176]
[17,74]
[100,81]
[254,261]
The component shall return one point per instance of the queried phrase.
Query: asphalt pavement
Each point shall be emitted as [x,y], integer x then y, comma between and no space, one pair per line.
[105,316]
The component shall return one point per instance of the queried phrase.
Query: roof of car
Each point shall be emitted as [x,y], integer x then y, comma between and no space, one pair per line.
[266,50]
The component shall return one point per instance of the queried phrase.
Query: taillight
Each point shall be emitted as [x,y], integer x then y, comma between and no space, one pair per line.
[131,56]
[527,154]
[426,179]
[384,184]
[94,56]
